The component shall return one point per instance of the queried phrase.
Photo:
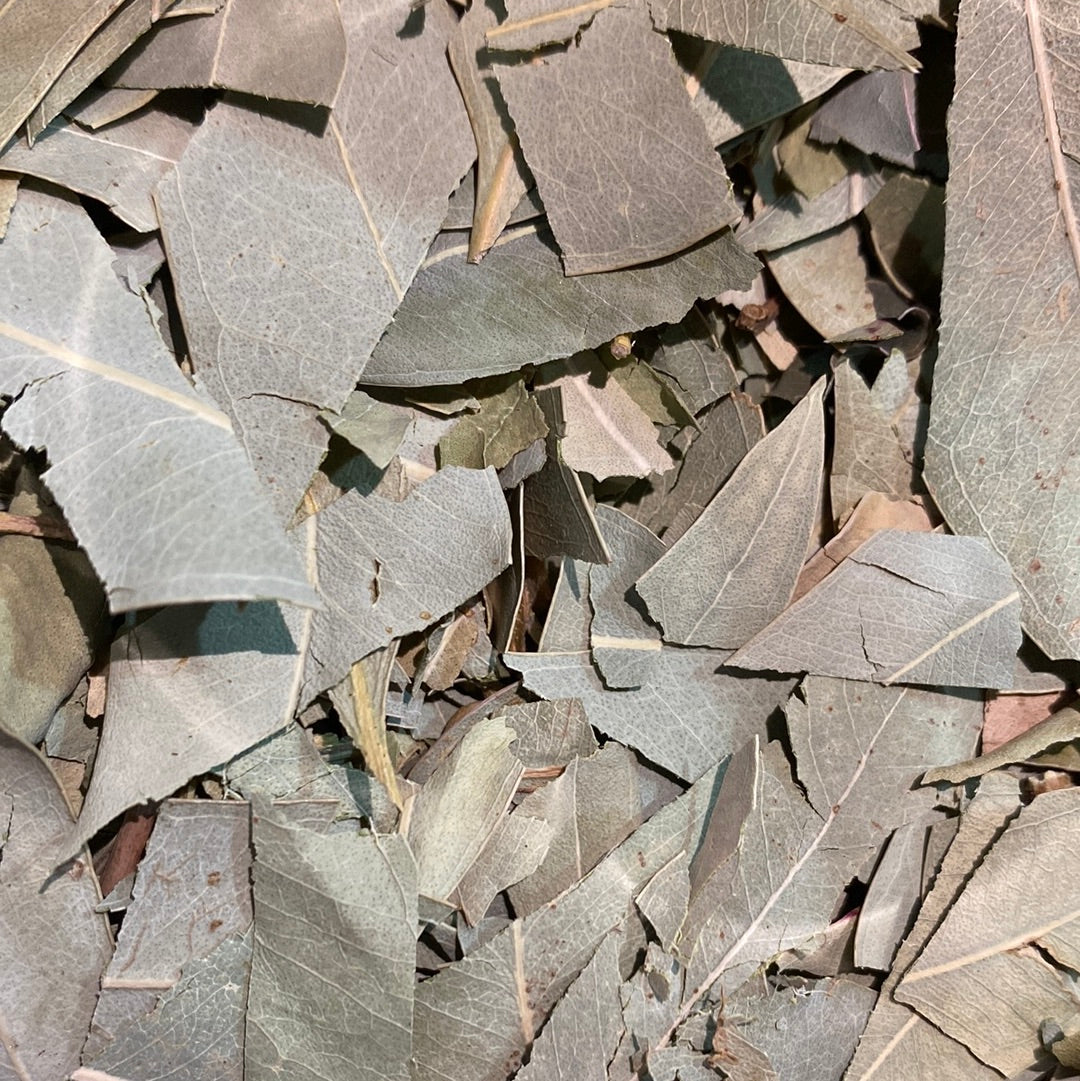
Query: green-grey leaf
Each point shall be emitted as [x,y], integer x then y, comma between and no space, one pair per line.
[387,569]
[687,717]
[735,568]
[978,944]
[53,946]
[597,101]
[476,1018]
[1003,439]
[464,322]
[903,607]
[332,974]
[97,388]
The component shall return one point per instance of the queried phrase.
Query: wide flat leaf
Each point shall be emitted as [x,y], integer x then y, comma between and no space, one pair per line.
[908,607]
[198,1024]
[53,946]
[293,50]
[598,100]
[97,388]
[852,33]
[592,807]
[585,1026]
[458,808]
[120,166]
[464,322]
[192,896]
[322,235]
[735,568]
[791,851]
[335,947]
[690,352]
[867,456]
[189,689]
[688,716]
[509,420]
[37,45]
[387,569]
[979,942]
[1001,444]
[478,1016]
[604,432]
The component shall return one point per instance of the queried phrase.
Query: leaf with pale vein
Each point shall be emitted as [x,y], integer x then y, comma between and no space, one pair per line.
[501,174]
[903,607]
[688,716]
[870,35]
[580,1038]
[898,1043]
[1002,436]
[857,750]
[478,1016]
[735,568]
[197,1022]
[290,251]
[114,37]
[332,974]
[591,807]
[37,46]
[120,166]
[53,946]
[464,322]
[294,49]
[387,569]
[625,644]
[662,188]
[458,808]
[189,689]
[97,388]
[979,942]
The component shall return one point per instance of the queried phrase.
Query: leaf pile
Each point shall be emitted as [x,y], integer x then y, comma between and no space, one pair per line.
[519,521]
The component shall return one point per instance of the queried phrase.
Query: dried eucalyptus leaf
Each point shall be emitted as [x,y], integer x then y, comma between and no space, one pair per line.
[910,607]
[164,459]
[597,102]
[735,568]
[464,322]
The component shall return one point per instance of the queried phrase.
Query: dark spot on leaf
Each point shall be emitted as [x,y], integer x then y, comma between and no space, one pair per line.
[1035,566]
[213,878]
[839,16]
[215,924]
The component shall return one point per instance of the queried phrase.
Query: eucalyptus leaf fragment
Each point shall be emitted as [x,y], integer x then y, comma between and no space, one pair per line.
[389,568]
[509,420]
[290,261]
[689,715]
[458,808]
[903,607]
[597,101]
[332,975]
[1001,444]
[190,688]
[463,322]
[585,1026]
[501,174]
[625,644]
[246,47]
[53,946]
[866,35]
[857,751]
[37,45]
[97,388]
[979,942]
[374,428]
[119,166]
[735,568]
[897,1041]
[478,1016]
